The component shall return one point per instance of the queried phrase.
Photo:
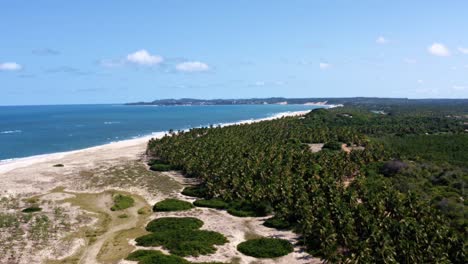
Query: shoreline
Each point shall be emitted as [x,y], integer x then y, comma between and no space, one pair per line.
[15,163]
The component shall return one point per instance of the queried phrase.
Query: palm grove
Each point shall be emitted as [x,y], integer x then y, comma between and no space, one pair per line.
[397,195]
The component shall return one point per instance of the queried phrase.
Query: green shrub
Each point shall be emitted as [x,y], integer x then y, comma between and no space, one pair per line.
[31,209]
[246,209]
[58,165]
[278,223]
[168,205]
[122,202]
[332,145]
[195,191]
[212,203]
[265,247]
[184,242]
[174,223]
[160,167]
[123,216]
[155,256]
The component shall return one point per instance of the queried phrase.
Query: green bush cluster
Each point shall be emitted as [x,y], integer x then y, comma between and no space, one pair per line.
[155,256]
[332,145]
[278,223]
[158,165]
[174,223]
[246,209]
[265,247]
[169,205]
[181,237]
[122,202]
[195,191]
[31,209]
[211,203]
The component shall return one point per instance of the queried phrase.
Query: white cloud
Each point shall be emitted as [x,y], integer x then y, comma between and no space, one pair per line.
[381,40]
[143,57]
[192,66]
[463,50]
[438,49]
[459,88]
[420,81]
[324,65]
[10,66]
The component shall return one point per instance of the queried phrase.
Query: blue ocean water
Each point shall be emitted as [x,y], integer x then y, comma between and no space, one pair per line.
[33,130]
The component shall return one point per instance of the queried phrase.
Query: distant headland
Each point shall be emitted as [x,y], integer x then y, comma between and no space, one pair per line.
[304,101]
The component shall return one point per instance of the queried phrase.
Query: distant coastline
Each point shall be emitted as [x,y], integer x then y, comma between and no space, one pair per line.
[324,101]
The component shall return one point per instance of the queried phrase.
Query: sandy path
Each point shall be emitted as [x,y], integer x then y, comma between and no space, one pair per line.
[92,251]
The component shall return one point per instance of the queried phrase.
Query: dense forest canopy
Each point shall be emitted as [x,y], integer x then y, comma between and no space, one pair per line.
[394,192]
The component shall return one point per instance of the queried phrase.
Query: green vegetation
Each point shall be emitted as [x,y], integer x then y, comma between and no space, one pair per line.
[246,209]
[195,191]
[332,145]
[278,223]
[122,202]
[211,203]
[265,247]
[157,257]
[174,223]
[168,205]
[154,256]
[59,165]
[158,165]
[181,236]
[123,216]
[398,196]
[31,209]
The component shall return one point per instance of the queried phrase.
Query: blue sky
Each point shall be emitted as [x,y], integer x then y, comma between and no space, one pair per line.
[61,52]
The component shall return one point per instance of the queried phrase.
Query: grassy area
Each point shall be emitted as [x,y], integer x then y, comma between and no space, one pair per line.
[122,202]
[179,223]
[130,174]
[265,247]
[168,205]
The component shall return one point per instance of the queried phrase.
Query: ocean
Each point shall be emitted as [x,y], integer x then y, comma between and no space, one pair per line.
[34,130]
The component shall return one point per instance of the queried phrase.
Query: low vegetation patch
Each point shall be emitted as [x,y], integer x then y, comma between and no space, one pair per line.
[181,236]
[155,256]
[212,203]
[184,242]
[174,223]
[168,205]
[278,223]
[59,165]
[265,247]
[32,209]
[332,145]
[195,191]
[158,165]
[122,202]
[246,209]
